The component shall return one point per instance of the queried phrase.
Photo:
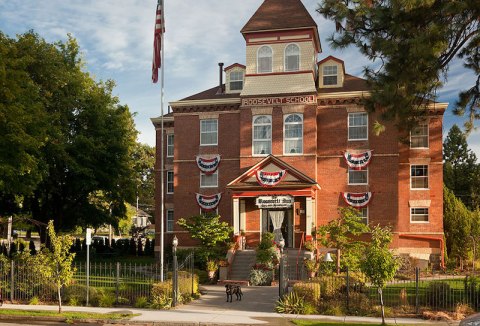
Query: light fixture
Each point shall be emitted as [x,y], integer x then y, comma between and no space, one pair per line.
[328,258]
[175,243]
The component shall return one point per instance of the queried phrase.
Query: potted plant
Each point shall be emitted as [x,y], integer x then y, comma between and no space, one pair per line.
[212,267]
[312,267]
[223,270]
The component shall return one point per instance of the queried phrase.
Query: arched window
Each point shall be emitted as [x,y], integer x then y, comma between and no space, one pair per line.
[293,134]
[262,135]
[292,57]
[264,59]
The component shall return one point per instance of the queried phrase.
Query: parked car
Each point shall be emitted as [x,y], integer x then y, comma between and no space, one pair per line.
[473,320]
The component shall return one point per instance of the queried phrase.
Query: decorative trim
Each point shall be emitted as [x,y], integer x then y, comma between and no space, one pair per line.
[355,108]
[293,109]
[358,161]
[208,115]
[262,110]
[204,102]
[419,160]
[419,203]
[269,179]
[208,202]
[208,165]
[357,200]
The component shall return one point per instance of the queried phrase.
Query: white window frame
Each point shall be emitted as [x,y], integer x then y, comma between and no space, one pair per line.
[329,74]
[423,124]
[258,60]
[356,184]
[348,126]
[213,174]
[232,73]
[170,146]
[172,181]
[253,133]
[421,222]
[167,220]
[427,177]
[285,57]
[367,217]
[285,117]
[209,132]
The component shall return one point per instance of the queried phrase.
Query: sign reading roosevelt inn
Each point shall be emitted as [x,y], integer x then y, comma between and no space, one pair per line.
[274,201]
[266,101]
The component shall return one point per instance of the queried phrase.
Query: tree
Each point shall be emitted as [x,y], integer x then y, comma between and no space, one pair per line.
[461,171]
[207,228]
[379,264]
[412,45]
[143,157]
[342,233]
[56,261]
[74,140]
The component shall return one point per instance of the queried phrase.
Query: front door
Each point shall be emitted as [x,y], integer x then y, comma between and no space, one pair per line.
[280,222]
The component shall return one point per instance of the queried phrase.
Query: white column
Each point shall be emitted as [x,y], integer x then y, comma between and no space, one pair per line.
[236,216]
[243,216]
[309,216]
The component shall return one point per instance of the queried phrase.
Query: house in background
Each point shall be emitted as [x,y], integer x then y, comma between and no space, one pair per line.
[286,141]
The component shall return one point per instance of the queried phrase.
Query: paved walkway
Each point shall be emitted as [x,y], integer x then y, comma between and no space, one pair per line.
[256,308]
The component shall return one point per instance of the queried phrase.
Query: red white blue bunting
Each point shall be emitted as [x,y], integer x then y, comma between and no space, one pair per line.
[208,165]
[358,161]
[357,200]
[208,203]
[270,179]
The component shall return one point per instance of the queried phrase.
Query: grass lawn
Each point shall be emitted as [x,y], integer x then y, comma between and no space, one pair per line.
[330,323]
[69,315]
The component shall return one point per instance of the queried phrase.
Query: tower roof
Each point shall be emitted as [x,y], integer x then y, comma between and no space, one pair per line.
[279,14]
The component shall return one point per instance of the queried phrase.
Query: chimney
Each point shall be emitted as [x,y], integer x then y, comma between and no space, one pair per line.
[220,68]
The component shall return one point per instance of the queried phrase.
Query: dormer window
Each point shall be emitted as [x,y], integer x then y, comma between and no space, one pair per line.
[330,75]
[292,57]
[236,80]
[265,55]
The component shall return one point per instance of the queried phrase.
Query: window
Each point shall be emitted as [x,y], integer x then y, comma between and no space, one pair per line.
[419,177]
[418,215]
[292,57]
[363,214]
[358,126]
[419,136]
[262,135]
[208,132]
[209,180]
[330,75]
[236,80]
[264,59]
[170,145]
[169,182]
[358,177]
[209,213]
[170,221]
[293,134]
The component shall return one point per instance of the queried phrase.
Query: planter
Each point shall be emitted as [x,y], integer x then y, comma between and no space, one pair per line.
[223,273]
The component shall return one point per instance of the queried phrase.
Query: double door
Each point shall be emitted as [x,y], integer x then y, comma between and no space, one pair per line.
[280,222]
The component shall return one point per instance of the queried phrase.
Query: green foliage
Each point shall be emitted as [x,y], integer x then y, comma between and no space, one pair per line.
[34,301]
[311,265]
[141,302]
[207,228]
[76,295]
[439,294]
[342,234]
[267,253]
[106,299]
[404,39]
[212,265]
[161,295]
[291,303]
[261,277]
[143,157]
[309,290]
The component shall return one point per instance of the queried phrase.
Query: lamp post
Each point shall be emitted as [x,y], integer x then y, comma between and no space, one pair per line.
[175,272]
[281,272]
[328,257]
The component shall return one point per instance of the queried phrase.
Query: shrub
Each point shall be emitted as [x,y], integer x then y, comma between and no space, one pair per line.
[185,283]
[359,304]
[161,295]
[76,295]
[330,286]
[472,290]
[438,295]
[34,301]
[310,291]
[261,277]
[141,302]
[107,299]
[291,303]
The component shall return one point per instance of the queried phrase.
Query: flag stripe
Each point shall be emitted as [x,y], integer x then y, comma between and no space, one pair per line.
[157,42]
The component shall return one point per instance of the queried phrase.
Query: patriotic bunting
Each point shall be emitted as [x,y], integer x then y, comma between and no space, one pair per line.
[358,161]
[208,203]
[357,200]
[270,179]
[208,165]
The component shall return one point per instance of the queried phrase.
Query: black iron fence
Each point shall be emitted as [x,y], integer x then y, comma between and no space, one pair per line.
[350,293]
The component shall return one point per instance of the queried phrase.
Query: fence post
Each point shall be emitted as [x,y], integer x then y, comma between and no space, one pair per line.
[417,307]
[12,280]
[117,282]
[348,288]
[193,270]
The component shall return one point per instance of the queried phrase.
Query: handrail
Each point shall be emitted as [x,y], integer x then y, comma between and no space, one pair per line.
[298,255]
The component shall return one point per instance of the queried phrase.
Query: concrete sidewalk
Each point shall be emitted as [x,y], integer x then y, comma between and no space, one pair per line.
[256,308]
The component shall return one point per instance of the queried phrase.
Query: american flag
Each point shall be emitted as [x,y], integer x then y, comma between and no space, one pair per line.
[157,41]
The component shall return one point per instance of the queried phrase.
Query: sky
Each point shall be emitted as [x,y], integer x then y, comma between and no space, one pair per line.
[116,40]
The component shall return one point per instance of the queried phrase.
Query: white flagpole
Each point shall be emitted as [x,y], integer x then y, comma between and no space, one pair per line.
[162,163]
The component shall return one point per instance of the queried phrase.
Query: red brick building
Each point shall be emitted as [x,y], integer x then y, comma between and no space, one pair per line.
[286,141]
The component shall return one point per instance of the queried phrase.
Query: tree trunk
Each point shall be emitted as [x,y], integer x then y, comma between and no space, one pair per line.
[381,305]
[59,299]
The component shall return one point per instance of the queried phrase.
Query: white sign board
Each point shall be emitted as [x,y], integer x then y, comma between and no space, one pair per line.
[275,201]
[88,237]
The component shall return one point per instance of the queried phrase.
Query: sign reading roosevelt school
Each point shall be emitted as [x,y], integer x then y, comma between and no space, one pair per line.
[266,101]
